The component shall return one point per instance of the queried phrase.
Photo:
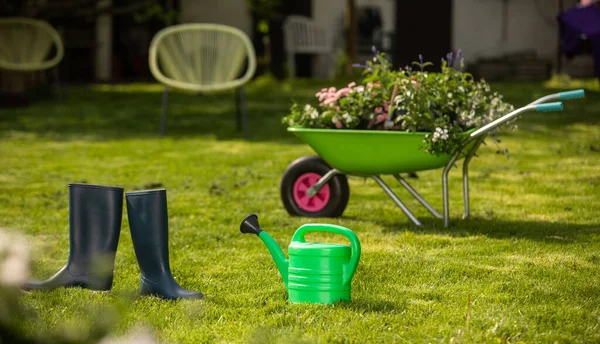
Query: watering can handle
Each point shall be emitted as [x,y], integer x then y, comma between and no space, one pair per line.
[350,267]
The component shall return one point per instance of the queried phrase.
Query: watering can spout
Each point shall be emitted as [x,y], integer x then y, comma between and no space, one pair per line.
[250,226]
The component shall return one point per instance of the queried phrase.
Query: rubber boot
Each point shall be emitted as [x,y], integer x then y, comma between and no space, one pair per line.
[95,214]
[148,221]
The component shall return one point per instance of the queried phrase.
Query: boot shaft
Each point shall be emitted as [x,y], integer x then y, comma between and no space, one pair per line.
[148,221]
[95,215]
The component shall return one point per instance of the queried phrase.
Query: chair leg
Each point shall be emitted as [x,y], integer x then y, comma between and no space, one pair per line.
[292,65]
[163,117]
[238,109]
[57,83]
[243,112]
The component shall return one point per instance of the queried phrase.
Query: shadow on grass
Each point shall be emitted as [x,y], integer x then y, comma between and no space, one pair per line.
[372,306]
[101,112]
[556,232]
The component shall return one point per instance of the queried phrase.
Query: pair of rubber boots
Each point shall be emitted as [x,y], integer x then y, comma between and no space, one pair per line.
[95,214]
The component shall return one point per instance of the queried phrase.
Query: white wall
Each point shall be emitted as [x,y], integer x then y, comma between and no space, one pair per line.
[478,27]
[227,12]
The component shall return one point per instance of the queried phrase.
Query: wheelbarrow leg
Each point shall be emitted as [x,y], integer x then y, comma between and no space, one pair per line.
[468,158]
[418,196]
[445,189]
[395,198]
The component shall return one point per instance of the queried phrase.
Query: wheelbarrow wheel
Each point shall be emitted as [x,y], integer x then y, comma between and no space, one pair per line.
[303,173]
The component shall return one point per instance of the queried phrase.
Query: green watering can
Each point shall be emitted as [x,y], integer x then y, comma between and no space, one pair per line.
[316,272]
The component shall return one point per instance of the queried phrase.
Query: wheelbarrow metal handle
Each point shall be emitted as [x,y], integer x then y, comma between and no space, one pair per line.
[548,107]
[576,94]
[537,105]
[493,125]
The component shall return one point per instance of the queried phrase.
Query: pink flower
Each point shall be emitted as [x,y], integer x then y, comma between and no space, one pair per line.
[342,92]
[329,101]
[386,105]
[338,125]
[371,85]
[415,82]
[322,96]
[352,84]
[381,118]
[378,109]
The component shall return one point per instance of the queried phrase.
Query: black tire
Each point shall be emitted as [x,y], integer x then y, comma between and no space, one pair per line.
[338,187]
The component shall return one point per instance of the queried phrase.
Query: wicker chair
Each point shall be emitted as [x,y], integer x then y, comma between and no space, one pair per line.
[203,58]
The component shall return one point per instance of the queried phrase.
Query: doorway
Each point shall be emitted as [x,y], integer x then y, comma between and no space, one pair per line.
[422,30]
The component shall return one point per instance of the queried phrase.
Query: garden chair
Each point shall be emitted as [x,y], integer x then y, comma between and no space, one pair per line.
[303,36]
[25,45]
[203,58]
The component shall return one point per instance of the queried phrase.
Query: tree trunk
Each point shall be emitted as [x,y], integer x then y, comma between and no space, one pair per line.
[352,34]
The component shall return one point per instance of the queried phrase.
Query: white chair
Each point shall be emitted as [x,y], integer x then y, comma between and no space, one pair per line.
[303,36]
[203,58]
[25,44]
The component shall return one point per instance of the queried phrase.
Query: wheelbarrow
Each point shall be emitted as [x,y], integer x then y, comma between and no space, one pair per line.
[317,185]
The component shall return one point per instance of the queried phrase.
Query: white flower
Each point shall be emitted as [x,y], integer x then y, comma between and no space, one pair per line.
[314,113]
[307,107]
[140,336]
[14,268]
[14,272]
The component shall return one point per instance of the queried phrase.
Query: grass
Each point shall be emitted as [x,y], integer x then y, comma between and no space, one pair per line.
[524,268]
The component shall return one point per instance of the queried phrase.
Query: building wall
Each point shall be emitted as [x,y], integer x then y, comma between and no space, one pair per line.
[478,27]
[477,24]
[228,12]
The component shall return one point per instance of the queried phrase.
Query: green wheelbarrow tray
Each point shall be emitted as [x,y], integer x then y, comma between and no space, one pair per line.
[368,152]
[371,153]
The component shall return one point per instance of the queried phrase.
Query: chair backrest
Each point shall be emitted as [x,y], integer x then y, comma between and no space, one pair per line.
[201,57]
[25,44]
[303,35]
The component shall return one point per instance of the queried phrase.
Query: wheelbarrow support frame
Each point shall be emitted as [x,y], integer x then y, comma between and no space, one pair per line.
[474,141]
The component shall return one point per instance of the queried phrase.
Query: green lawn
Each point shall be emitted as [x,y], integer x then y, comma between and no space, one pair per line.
[524,268]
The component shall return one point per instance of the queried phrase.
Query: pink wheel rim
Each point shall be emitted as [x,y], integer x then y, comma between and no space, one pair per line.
[310,204]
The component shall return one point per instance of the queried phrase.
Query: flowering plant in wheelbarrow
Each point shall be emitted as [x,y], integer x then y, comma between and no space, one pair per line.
[443,104]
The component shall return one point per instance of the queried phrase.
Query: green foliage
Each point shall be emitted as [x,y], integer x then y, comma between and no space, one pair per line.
[263,9]
[445,103]
[154,10]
